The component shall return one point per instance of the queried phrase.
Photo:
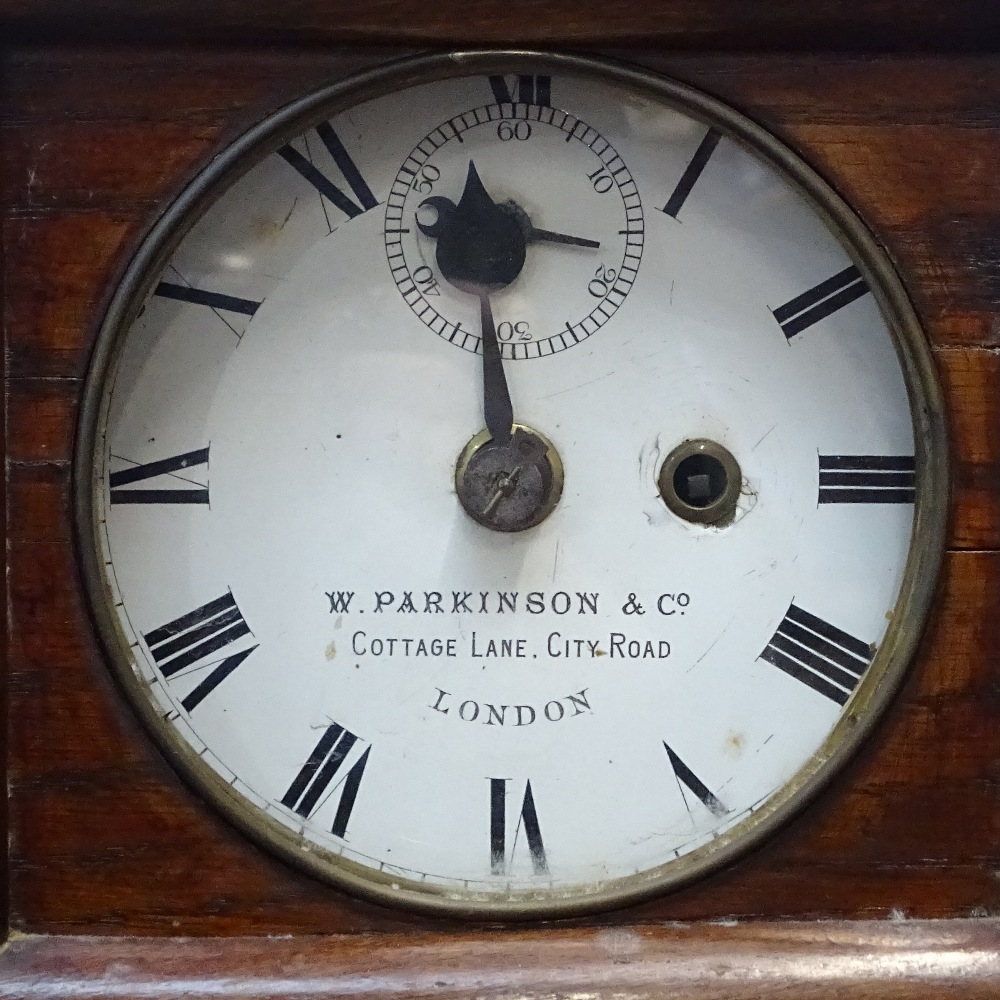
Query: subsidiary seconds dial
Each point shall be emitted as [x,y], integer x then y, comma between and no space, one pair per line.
[568,188]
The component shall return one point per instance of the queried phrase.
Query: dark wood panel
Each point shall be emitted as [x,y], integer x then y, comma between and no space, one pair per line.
[195,87]
[65,266]
[782,24]
[971,380]
[88,166]
[846,961]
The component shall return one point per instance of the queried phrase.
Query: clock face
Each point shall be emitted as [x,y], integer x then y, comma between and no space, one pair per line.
[513,492]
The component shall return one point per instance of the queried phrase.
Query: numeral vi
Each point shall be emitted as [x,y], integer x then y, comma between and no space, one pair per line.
[527,819]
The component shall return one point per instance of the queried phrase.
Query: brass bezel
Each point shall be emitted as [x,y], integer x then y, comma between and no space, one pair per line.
[930,513]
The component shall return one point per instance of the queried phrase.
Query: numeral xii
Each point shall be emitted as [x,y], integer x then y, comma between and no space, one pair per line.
[526,90]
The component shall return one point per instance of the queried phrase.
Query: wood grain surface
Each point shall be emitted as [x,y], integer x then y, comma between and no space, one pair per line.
[852,961]
[768,25]
[105,839]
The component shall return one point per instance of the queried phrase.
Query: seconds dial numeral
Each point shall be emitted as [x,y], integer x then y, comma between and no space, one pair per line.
[818,654]
[323,184]
[686,777]
[867,478]
[305,793]
[190,640]
[527,820]
[822,300]
[194,493]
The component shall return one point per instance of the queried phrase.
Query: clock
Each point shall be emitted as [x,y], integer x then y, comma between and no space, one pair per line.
[510,484]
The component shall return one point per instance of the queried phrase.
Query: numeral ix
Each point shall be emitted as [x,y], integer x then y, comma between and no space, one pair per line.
[190,640]
[818,654]
[201,297]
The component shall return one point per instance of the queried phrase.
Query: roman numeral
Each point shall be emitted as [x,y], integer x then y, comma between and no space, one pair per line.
[310,784]
[818,654]
[200,297]
[529,90]
[819,302]
[194,637]
[528,819]
[867,479]
[165,466]
[691,173]
[326,187]
[686,777]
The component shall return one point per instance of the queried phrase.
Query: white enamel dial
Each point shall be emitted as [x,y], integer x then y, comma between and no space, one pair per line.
[402,698]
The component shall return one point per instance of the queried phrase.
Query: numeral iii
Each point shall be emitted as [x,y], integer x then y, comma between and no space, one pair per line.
[867,479]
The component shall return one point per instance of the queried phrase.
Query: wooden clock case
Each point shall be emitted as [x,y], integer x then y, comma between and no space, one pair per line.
[121,882]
